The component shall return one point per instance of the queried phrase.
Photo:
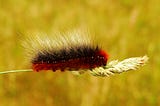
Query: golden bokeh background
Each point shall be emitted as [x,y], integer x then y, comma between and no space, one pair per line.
[124,28]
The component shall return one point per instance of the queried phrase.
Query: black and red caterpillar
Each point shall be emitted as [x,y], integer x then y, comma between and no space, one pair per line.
[71,51]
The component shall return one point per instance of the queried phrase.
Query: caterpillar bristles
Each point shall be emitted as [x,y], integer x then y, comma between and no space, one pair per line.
[73,50]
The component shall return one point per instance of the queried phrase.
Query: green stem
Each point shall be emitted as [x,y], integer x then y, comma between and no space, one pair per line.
[15,71]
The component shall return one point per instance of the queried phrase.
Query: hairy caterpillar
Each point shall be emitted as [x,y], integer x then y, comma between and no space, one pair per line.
[73,50]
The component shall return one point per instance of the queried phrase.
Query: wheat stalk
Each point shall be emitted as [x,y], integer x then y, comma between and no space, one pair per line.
[115,66]
[15,71]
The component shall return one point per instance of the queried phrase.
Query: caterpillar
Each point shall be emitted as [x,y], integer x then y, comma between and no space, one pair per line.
[73,50]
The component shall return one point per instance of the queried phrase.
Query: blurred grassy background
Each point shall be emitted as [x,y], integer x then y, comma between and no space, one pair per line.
[124,28]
